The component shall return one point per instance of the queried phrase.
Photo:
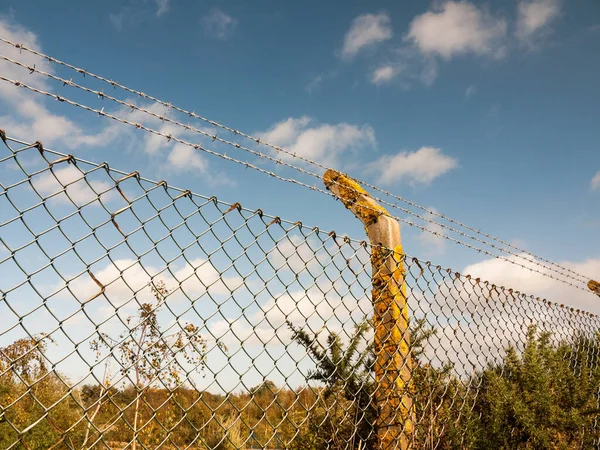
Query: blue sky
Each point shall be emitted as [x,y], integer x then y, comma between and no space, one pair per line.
[487,112]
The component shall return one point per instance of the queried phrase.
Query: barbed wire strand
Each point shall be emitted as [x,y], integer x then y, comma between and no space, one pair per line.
[289,180]
[163,118]
[442,216]
[32,69]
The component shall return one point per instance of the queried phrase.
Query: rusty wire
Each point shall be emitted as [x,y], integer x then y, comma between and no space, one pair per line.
[91,254]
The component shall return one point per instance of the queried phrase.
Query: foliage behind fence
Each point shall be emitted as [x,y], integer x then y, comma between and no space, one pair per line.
[137,315]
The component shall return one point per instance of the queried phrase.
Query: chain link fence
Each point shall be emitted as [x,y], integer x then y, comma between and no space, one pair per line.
[137,315]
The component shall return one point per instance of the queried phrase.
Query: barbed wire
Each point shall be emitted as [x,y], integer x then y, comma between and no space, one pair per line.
[290,180]
[164,118]
[432,212]
[582,278]
[293,181]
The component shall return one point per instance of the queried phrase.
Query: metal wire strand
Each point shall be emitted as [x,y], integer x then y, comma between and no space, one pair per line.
[564,278]
[170,106]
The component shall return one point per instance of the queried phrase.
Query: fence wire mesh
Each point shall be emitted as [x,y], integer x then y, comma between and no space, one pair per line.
[138,315]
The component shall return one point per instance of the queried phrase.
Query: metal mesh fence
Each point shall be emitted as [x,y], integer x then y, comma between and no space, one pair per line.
[137,315]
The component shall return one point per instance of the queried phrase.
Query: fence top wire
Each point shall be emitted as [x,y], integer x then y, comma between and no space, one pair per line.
[308,230]
[581,282]
[564,271]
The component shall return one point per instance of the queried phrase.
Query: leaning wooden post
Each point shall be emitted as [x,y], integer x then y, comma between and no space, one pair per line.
[393,366]
[594,286]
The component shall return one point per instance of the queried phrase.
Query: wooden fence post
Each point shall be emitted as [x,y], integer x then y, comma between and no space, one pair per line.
[594,286]
[393,365]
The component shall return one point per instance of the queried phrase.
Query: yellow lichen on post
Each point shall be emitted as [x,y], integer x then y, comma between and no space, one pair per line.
[393,367]
[354,197]
[393,374]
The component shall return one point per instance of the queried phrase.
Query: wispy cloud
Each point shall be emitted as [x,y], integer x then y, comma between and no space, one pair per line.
[317,80]
[421,166]
[592,29]
[116,19]
[595,183]
[492,112]
[219,25]
[314,84]
[471,91]
[383,74]
[67,185]
[134,12]
[366,31]
[534,18]
[162,7]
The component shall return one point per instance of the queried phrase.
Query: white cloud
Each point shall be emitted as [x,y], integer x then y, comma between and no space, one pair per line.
[173,156]
[314,83]
[504,273]
[133,13]
[383,74]
[323,143]
[471,90]
[31,120]
[455,28]
[295,253]
[170,155]
[285,132]
[476,320]
[417,167]
[185,157]
[312,309]
[152,144]
[366,31]
[68,182]
[127,278]
[116,19]
[447,30]
[162,7]
[219,25]
[428,72]
[534,16]
[595,183]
